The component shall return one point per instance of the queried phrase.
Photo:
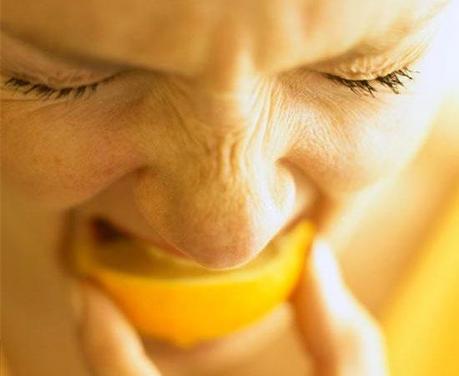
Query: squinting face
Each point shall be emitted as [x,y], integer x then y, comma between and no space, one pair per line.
[208,126]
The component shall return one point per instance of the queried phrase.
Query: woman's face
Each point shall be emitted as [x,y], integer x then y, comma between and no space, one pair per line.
[207,127]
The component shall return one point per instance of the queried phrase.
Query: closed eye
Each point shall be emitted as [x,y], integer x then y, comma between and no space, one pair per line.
[46,92]
[393,80]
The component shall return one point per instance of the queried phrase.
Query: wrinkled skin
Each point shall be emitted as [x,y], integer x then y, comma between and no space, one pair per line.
[199,134]
[218,127]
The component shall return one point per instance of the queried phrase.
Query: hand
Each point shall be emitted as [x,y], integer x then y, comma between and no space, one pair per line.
[111,345]
[337,331]
[341,336]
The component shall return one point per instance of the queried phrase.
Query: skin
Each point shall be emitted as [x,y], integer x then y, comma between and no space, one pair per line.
[216,127]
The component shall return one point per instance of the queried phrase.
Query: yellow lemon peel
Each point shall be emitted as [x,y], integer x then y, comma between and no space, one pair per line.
[183,303]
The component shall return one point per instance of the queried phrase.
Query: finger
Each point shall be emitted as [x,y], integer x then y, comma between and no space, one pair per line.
[336,329]
[111,345]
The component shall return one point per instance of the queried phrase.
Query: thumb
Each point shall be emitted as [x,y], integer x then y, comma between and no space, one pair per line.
[336,329]
[111,345]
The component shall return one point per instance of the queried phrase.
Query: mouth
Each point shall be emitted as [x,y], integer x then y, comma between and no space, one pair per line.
[104,232]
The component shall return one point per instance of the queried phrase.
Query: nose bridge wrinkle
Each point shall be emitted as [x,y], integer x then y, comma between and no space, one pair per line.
[221,214]
[230,157]
[236,118]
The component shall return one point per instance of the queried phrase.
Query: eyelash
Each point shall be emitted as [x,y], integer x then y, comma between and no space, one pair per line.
[367,87]
[45,92]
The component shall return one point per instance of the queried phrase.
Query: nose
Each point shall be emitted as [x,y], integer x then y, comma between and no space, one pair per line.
[219,197]
[219,221]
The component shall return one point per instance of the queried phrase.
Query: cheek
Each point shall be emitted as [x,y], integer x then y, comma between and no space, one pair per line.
[60,163]
[347,149]
[379,146]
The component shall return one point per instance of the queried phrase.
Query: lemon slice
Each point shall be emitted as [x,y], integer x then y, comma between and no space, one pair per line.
[179,301]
